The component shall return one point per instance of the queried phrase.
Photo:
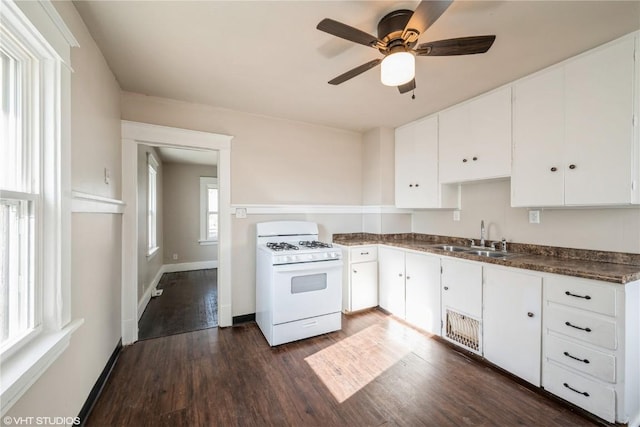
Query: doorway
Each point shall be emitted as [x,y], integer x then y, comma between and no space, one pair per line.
[178,258]
[133,135]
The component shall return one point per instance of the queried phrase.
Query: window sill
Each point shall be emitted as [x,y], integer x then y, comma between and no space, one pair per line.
[152,252]
[24,367]
[207,242]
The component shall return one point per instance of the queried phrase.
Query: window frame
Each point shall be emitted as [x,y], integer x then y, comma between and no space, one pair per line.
[152,205]
[27,186]
[42,32]
[206,183]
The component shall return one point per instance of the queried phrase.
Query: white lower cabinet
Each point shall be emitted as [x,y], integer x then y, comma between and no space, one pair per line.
[579,339]
[422,307]
[591,349]
[360,279]
[409,287]
[512,321]
[461,290]
[391,289]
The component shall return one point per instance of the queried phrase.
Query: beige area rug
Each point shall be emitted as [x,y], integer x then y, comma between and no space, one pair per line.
[354,362]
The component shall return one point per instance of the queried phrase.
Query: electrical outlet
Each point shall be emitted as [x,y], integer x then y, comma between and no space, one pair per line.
[456,215]
[241,213]
[175,257]
[534,217]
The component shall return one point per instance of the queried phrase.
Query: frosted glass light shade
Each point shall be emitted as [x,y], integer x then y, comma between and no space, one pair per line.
[398,68]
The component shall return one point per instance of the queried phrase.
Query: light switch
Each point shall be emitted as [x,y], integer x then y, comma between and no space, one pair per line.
[456,215]
[241,213]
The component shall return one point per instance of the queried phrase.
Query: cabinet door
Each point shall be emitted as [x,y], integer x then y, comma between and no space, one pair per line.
[475,139]
[423,291]
[537,178]
[490,150]
[454,144]
[404,154]
[599,131]
[512,322]
[462,287]
[364,285]
[391,289]
[416,164]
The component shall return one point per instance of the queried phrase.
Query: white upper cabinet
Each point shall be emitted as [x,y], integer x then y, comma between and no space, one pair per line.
[475,139]
[416,166]
[537,177]
[573,132]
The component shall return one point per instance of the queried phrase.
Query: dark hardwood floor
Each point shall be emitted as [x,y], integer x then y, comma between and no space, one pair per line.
[376,371]
[189,302]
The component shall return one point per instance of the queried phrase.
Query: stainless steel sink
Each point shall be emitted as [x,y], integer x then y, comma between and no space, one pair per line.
[450,248]
[489,254]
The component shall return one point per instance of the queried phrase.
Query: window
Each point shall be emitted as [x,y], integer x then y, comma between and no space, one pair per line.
[20,197]
[35,217]
[208,210]
[152,205]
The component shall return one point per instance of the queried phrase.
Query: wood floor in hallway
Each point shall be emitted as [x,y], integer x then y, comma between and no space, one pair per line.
[376,371]
[189,302]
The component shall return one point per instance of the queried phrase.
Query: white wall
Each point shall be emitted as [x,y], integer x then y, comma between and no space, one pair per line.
[95,238]
[378,183]
[599,229]
[181,213]
[273,161]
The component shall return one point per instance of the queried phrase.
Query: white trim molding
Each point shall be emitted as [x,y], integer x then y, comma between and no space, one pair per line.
[266,209]
[133,134]
[90,203]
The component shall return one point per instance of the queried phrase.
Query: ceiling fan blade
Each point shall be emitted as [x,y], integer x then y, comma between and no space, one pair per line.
[458,46]
[346,32]
[354,72]
[407,87]
[423,17]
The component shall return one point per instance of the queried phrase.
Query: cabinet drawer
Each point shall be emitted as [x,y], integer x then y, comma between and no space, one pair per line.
[581,294]
[596,363]
[293,331]
[364,253]
[582,325]
[594,396]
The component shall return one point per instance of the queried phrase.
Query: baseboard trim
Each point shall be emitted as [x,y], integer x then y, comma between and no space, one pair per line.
[99,385]
[245,318]
[189,266]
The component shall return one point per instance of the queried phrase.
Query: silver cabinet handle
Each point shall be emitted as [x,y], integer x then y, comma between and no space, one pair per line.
[364,253]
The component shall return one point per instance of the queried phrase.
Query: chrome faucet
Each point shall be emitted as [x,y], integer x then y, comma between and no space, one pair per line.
[482,233]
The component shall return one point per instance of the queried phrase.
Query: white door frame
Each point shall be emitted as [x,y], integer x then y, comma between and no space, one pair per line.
[134,133]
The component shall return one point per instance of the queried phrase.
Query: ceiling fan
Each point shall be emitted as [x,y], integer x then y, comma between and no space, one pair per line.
[398,34]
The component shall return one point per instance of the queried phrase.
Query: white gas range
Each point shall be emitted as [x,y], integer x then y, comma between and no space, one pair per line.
[298,282]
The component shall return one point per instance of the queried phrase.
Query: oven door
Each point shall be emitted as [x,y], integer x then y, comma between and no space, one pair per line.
[306,290]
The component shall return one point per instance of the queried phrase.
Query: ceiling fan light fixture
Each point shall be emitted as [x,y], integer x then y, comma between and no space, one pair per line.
[398,68]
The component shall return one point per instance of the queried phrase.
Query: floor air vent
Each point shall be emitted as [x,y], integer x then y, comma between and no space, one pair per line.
[463,329]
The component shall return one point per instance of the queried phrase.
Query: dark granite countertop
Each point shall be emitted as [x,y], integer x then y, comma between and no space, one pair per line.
[613,267]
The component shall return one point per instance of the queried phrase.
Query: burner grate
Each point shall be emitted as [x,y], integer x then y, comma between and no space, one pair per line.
[281,246]
[314,244]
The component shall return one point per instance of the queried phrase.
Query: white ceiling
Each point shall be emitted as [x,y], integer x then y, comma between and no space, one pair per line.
[266,57]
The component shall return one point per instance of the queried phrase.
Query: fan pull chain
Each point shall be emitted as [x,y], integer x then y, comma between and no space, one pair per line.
[413,94]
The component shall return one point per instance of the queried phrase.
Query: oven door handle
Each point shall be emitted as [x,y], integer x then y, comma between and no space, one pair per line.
[309,266]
